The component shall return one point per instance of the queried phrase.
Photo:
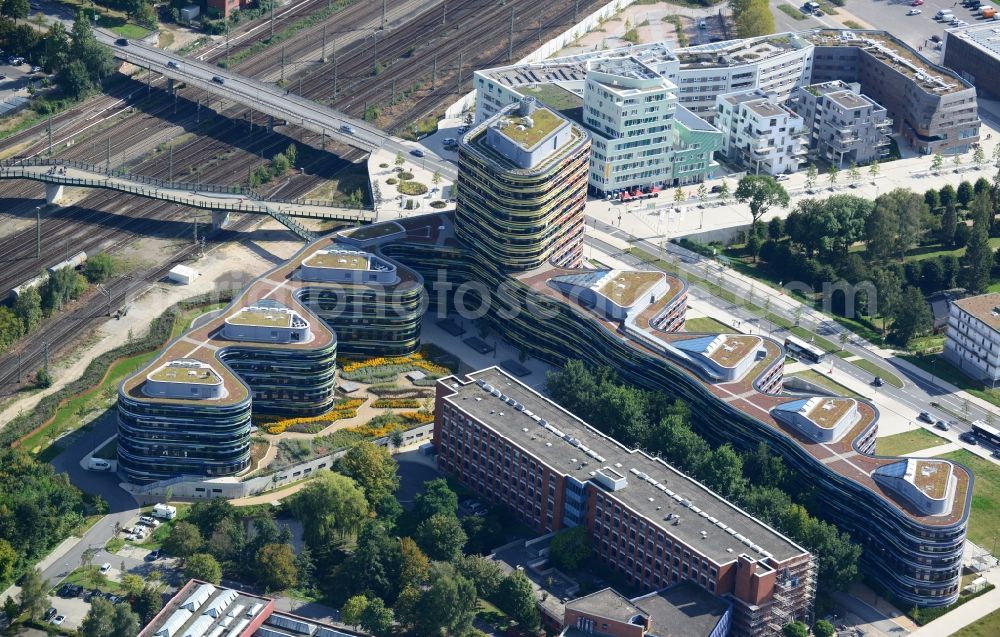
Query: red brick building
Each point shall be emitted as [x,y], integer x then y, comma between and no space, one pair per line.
[647,520]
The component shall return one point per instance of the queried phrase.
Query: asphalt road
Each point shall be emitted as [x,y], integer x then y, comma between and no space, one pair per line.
[918,391]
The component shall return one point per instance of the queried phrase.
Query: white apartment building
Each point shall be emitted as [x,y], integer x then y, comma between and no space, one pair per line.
[973,343]
[761,133]
[629,110]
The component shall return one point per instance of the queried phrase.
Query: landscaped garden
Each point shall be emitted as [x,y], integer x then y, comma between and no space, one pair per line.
[984,520]
[907,442]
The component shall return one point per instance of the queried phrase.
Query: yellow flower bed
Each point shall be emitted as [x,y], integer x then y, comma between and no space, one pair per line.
[416,359]
[396,403]
[340,411]
[409,418]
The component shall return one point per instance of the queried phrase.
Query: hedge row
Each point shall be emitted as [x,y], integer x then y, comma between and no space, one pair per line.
[159,331]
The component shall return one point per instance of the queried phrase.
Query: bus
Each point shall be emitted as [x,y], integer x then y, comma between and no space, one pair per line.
[803,350]
[986,433]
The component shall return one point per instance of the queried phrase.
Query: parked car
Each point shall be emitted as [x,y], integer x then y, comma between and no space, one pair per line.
[914,12]
[926,417]
[942,425]
[968,438]
[463,128]
[416,152]
[149,521]
[105,568]
[122,41]
[449,141]
[916,3]
[58,619]
[50,613]
[152,556]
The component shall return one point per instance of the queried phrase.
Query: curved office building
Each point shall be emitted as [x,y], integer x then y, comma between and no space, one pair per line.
[273,350]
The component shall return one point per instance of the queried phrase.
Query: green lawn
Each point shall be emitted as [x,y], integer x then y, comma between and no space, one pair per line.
[706,324]
[131,31]
[984,521]
[187,317]
[876,370]
[907,442]
[70,415]
[988,626]
[791,12]
[826,382]
[937,365]
[92,578]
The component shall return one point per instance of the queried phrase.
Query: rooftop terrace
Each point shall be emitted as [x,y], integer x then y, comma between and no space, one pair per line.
[340,259]
[187,371]
[264,317]
[543,123]
[625,288]
[827,412]
[931,477]
[733,349]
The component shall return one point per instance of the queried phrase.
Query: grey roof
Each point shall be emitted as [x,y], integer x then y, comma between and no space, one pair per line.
[607,603]
[655,489]
[692,121]
[683,610]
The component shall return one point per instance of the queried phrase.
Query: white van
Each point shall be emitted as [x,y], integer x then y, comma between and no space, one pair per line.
[98,464]
[164,511]
[944,15]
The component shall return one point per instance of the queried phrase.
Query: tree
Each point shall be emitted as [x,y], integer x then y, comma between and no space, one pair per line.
[376,618]
[833,174]
[330,504]
[276,567]
[34,594]
[28,308]
[148,603]
[979,157]
[811,176]
[399,159]
[911,317]
[873,169]
[679,195]
[437,497]
[570,548]
[61,287]
[978,256]
[854,173]
[125,622]
[754,19]
[11,330]
[723,471]
[937,161]
[436,178]
[795,629]
[753,245]
[132,584]
[11,609]
[374,470]
[760,192]
[775,229]
[516,597]
[485,573]
[723,193]
[702,192]
[99,621]
[74,79]
[895,223]
[949,218]
[8,560]
[441,537]
[353,609]
[414,566]
[761,467]
[964,193]
[16,9]
[204,567]
[183,540]
[957,159]
[374,566]
[99,267]
[889,288]
[823,628]
[447,607]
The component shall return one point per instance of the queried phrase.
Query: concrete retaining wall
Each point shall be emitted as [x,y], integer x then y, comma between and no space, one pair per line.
[231,488]
[589,23]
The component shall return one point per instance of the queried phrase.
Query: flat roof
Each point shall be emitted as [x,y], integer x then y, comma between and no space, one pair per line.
[625,288]
[192,605]
[342,260]
[734,349]
[265,317]
[545,122]
[931,477]
[894,54]
[729,531]
[985,307]
[848,99]
[189,372]
[607,603]
[683,610]
[985,37]
[554,96]
[827,412]
[626,67]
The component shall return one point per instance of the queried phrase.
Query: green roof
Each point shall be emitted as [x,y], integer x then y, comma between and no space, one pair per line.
[545,123]
[188,375]
[272,318]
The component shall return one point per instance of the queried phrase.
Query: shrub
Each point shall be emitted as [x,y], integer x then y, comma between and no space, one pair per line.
[405,176]
[396,403]
[438,204]
[412,188]
[392,181]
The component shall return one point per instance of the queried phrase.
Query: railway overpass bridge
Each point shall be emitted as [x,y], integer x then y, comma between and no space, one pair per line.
[220,200]
[267,99]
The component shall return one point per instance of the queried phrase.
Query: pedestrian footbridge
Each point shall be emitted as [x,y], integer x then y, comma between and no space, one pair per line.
[221,200]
